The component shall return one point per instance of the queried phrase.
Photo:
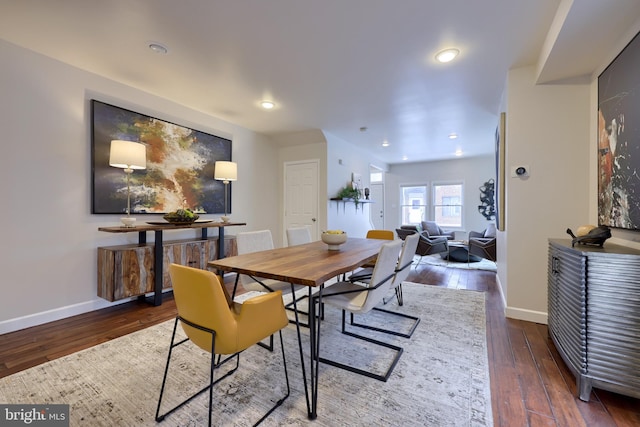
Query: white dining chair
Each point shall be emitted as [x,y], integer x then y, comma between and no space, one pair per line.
[402,270]
[361,299]
[255,241]
[298,236]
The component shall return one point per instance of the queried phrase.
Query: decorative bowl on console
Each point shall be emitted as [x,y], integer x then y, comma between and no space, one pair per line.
[181,217]
[334,238]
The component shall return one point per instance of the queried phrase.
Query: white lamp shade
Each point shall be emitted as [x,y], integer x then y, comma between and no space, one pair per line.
[225,171]
[127,155]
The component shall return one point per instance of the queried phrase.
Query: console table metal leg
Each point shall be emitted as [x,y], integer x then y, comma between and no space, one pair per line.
[220,242]
[157,268]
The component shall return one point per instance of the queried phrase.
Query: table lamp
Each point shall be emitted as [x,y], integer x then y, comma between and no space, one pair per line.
[225,172]
[128,155]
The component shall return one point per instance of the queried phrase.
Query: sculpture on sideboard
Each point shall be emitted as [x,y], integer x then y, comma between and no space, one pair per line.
[590,235]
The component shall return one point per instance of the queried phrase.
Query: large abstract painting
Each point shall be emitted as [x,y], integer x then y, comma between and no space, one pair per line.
[180,165]
[619,140]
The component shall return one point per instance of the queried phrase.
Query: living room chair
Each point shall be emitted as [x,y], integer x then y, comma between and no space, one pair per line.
[298,236]
[357,298]
[426,245]
[433,230]
[483,244]
[215,327]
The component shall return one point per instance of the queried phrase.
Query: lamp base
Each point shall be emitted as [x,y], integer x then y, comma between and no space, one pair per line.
[128,222]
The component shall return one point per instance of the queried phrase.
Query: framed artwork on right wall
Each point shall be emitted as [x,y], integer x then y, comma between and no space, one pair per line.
[500,174]
[619,140]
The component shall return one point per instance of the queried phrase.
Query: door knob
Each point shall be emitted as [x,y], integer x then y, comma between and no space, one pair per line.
[313,219]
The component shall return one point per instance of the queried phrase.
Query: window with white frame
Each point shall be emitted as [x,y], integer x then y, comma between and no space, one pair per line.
[413,203]
[447,204]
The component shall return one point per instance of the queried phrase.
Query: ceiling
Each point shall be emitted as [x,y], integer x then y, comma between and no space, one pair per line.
[361,70]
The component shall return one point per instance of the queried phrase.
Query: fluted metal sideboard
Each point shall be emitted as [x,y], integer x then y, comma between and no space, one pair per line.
[594,314]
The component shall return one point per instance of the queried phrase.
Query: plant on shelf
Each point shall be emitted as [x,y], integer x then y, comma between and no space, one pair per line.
[349,193]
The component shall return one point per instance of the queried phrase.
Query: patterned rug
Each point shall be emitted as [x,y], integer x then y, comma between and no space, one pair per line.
[436,259]
[442,379]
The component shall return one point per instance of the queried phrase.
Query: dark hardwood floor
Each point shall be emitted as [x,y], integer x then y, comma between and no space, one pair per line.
[530,384]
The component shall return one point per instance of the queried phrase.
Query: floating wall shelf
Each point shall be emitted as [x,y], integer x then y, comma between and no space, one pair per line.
[345,201]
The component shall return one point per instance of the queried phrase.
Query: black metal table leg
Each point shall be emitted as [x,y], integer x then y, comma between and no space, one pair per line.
[314,345]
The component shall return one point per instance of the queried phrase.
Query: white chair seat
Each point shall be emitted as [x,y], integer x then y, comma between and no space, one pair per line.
[352,302]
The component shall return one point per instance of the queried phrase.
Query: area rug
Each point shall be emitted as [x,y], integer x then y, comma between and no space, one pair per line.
[483,264]
[442,379]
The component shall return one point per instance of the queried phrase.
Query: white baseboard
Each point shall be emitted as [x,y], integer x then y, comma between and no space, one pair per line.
[526,315]
[36,319]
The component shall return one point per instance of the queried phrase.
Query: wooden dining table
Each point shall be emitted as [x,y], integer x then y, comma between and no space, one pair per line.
[312,265]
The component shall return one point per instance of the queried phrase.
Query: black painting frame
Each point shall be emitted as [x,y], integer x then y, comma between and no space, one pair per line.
[180,165]
[619,140]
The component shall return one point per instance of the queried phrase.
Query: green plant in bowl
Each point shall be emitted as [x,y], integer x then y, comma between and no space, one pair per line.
[181,216]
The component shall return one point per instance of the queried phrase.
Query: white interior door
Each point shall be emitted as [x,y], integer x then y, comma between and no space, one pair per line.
[376,209]
[301,182]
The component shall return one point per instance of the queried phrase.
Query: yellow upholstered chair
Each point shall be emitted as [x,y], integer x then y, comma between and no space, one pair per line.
[380,234]
[365,274]
[210,323]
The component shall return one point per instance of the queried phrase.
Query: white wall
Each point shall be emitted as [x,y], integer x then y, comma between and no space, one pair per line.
[548,130]
[473,172]
[50,239]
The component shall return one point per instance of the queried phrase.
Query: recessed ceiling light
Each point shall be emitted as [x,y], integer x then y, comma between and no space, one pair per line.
[158,48]
[453,135]
[405,158]
[267,105]
[385,143]
[458,152]
[447,55]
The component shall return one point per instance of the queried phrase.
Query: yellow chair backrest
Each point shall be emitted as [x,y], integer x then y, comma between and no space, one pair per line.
[380,234]
[200,299]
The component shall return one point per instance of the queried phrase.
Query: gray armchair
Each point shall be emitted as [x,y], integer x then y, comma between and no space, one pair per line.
[434,230]
[483,244]
[426,245]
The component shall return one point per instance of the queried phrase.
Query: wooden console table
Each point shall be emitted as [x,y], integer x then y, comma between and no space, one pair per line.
[158,253]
